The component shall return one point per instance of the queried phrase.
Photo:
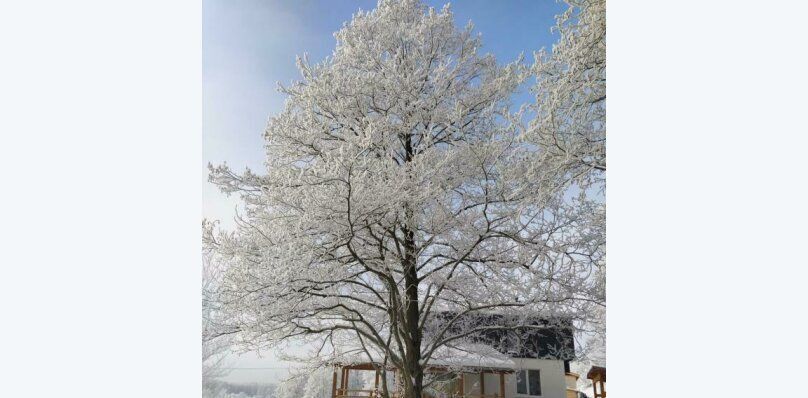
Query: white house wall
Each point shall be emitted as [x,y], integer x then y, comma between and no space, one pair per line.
[553,383]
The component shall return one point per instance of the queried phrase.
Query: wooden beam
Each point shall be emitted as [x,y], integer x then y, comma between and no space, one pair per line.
[334,384]
[363,366]
[462,384]
[482,383]
[502,385]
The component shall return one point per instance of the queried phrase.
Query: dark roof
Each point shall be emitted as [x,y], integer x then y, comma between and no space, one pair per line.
[597,371]
[535,337]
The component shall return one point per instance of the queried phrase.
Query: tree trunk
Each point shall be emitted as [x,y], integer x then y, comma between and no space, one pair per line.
[414,372]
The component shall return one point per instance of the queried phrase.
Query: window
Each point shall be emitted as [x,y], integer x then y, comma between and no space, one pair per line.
[528,382]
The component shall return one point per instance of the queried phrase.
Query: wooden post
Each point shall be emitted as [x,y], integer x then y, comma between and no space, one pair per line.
[482,383]
[343,381]
[376,386]
[502,384]
[334,384]
[462,385]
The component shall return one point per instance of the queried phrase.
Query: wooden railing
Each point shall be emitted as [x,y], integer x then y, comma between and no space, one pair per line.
[349,393]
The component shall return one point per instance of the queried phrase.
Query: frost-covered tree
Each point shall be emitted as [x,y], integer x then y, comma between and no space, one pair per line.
[318,384]
[313,382]
[570,127]
[292,387]
[400,199]
[214,345]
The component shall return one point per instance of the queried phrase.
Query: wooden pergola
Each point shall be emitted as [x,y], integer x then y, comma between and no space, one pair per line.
[598,376]
[340,389]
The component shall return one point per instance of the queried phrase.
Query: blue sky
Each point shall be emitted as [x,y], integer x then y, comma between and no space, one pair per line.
[250,45]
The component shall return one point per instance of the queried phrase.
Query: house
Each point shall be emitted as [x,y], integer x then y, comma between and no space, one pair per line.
[523,362]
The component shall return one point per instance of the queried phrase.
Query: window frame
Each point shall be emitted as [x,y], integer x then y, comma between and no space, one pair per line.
[527,382]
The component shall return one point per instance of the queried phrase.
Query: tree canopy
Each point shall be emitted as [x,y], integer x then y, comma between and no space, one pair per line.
[400,184]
